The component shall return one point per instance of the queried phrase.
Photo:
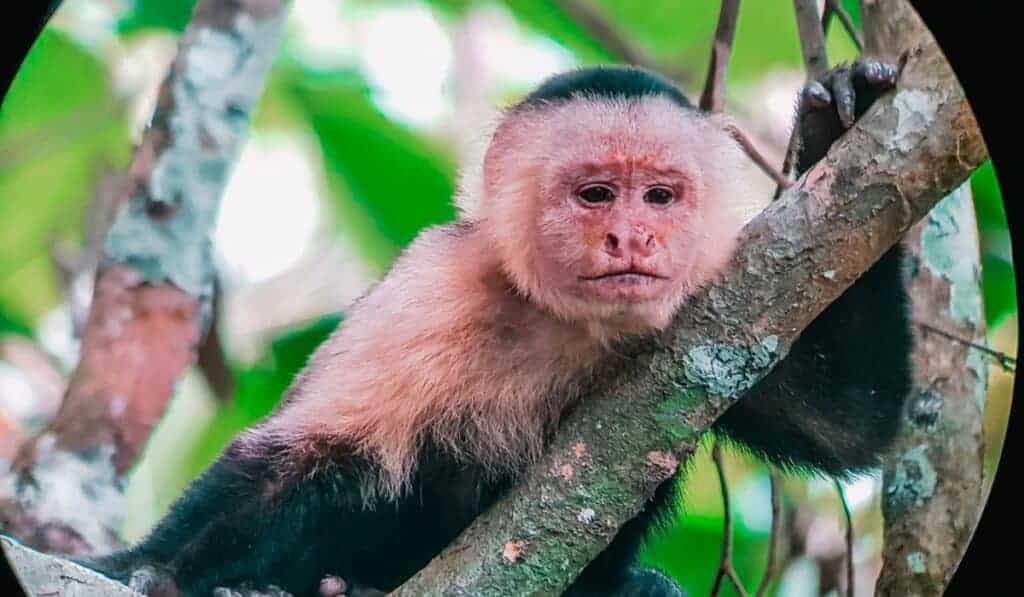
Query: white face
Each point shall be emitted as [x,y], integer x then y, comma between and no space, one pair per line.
[614,209]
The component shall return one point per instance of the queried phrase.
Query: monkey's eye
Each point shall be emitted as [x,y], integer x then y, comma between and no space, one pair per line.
[659,196]
[595,194]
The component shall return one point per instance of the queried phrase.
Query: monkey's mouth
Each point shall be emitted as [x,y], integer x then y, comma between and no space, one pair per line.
[629,276]
[630,285]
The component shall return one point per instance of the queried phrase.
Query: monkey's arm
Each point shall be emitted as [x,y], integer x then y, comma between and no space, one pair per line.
[834,403]
[241,522]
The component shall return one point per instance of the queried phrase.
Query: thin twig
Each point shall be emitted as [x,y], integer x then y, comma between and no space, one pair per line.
[812,46]
[211,357]
[773,540]
[849,538]
[757,157]
[835,7]
[812,38]
[1005,361]
[713,97]
[725,567]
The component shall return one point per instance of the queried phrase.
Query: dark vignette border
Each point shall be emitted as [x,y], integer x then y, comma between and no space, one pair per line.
[972,35]
[20,28]
[968,34]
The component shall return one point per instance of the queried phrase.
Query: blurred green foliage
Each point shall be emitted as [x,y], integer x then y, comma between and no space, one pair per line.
[167,15]
[259,387]
[62,124]
[388,182]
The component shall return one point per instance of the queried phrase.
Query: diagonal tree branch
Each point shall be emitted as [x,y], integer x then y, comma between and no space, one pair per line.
[152,291]
[911,149]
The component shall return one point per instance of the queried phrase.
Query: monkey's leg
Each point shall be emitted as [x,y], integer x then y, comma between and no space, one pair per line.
[834,403]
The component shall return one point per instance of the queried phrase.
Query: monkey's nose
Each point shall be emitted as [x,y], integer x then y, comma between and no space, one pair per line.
[642,243]
[611,245]
[638,242]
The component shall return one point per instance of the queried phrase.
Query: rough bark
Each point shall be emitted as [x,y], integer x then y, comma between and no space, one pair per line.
[932,481]
[910,150]
[43,575]
[152,292]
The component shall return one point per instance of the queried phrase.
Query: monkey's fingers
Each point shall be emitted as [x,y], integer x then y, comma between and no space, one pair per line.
[152,582]
[876,73]
[335,586]
[838,87]
[244,591]
[332,586]
[814,96]
[841,83]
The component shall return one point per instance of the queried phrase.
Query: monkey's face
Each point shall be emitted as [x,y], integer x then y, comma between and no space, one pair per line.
[613,233]
[614,211]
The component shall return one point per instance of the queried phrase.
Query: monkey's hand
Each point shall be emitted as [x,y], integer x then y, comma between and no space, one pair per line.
[830,105]
[153,581]
[330,586]
[248,591]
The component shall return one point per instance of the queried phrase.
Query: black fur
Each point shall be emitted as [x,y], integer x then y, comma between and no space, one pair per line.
[243,522]
[831,406]
[605,81]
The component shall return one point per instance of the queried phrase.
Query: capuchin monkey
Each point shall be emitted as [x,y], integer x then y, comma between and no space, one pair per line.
[603,200]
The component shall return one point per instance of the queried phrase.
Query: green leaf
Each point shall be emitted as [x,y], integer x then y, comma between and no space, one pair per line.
[547,18]
[10,324]
[999,289]
[173,15]
[853,9]
[689,551]
[59,125]
[388,182]
[988,199]
[260,388]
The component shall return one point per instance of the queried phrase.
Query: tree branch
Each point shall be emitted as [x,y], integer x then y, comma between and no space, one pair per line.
[152,292]
[812,38]
[847,538]
[773,538]
[44,575]
[726,569]
[713,97]
[812,46]
[912,148]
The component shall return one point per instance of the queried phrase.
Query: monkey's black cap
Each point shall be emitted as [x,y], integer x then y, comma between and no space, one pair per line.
[604,81]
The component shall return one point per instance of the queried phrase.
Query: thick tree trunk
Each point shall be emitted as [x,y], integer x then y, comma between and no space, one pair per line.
[910,150]
[152,293]
[932,481]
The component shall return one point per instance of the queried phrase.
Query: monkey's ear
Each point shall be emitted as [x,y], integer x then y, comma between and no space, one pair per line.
[503,145]
[470,190]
